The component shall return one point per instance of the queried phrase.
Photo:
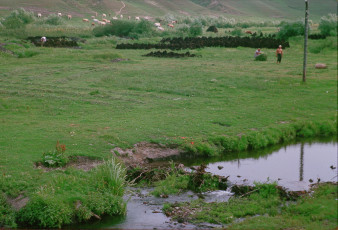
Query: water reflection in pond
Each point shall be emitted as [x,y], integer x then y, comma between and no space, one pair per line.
[293,165]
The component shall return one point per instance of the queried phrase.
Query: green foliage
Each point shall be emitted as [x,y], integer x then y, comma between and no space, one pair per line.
[18,19]
[123,28]
[77,196]
[56,157]
[261,57]
[53,20]
[237,32]
[195,30]
[173,184]
[291,29]
[318,46]
[46,212]
[7,215]
[328,25]
[27,53]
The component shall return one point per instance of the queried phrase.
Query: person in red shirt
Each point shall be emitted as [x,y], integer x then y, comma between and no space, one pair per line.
[279,54]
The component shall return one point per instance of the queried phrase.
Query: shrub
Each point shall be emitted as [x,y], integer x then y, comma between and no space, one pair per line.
[328,25]
[237,32]
[55,158]
[212,29]
[45,212]
[195,30]
[18,19]
[318,46]
[124,28]
[288,30]
[27,53]
[261,57]
[53,20]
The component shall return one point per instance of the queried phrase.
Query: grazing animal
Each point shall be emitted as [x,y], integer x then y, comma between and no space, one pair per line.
[96,14]
[93,23]
[93,17]
[96,20]
[114,18]
[248,32]
[278,29]
[160,28]
[173,22]
[43,39]
[69,16]
[137,18]
[102,23]
[104,20]
[104,15]
[59,14]
[129,17]
[85,20]
[157,24]
[39,15]
[171,25]
[121,16]
[109,14]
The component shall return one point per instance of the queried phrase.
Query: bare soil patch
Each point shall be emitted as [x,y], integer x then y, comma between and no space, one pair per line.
[18,203]
[79,162]
[143,153]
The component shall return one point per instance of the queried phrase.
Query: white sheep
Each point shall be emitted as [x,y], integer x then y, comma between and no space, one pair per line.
[114,18]
[160,28]
[137,18]
[59,14]
[96,20]
[93,17]
[104,15]
[157,24]
[102,23]
[85,20]
[121,16]
[129,17]
[69,16]
[39,15]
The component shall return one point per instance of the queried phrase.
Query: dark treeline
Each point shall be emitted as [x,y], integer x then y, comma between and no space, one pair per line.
[200,42]
[54,41]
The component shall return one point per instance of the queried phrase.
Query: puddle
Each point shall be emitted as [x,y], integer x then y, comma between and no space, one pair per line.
[293,166]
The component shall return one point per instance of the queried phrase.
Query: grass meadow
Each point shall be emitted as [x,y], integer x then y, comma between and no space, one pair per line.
[91,104]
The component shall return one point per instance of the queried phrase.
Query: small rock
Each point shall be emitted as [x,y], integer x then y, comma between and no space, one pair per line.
[220,167]
[332,167]
[310,180]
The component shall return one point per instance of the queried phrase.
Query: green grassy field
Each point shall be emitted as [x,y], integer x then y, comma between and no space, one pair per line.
[91,104]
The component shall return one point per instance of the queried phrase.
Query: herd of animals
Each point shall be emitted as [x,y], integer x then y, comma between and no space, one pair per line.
[104,21]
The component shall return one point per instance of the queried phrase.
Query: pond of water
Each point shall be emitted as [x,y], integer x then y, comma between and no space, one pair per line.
[292,166]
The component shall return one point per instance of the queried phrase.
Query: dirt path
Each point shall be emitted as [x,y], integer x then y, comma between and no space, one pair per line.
[124,5]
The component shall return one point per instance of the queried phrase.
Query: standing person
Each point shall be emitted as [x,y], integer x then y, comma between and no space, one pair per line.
[279,54]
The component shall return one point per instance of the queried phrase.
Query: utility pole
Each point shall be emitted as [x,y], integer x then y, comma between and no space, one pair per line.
[305,38]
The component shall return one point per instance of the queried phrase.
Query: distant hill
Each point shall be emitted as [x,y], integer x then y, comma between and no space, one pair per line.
[280,9]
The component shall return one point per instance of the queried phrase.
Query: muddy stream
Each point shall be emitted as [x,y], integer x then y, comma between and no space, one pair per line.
[294,167]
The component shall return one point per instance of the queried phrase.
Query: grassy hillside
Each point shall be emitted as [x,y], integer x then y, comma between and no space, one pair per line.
[287,9]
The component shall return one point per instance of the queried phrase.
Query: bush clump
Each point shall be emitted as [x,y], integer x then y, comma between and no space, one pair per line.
[195,30]
[55,158]
[292,29]
[212,29]
[328,25]
[261,57]
[18,19]
[75,196]
[125,29]
[53,20]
